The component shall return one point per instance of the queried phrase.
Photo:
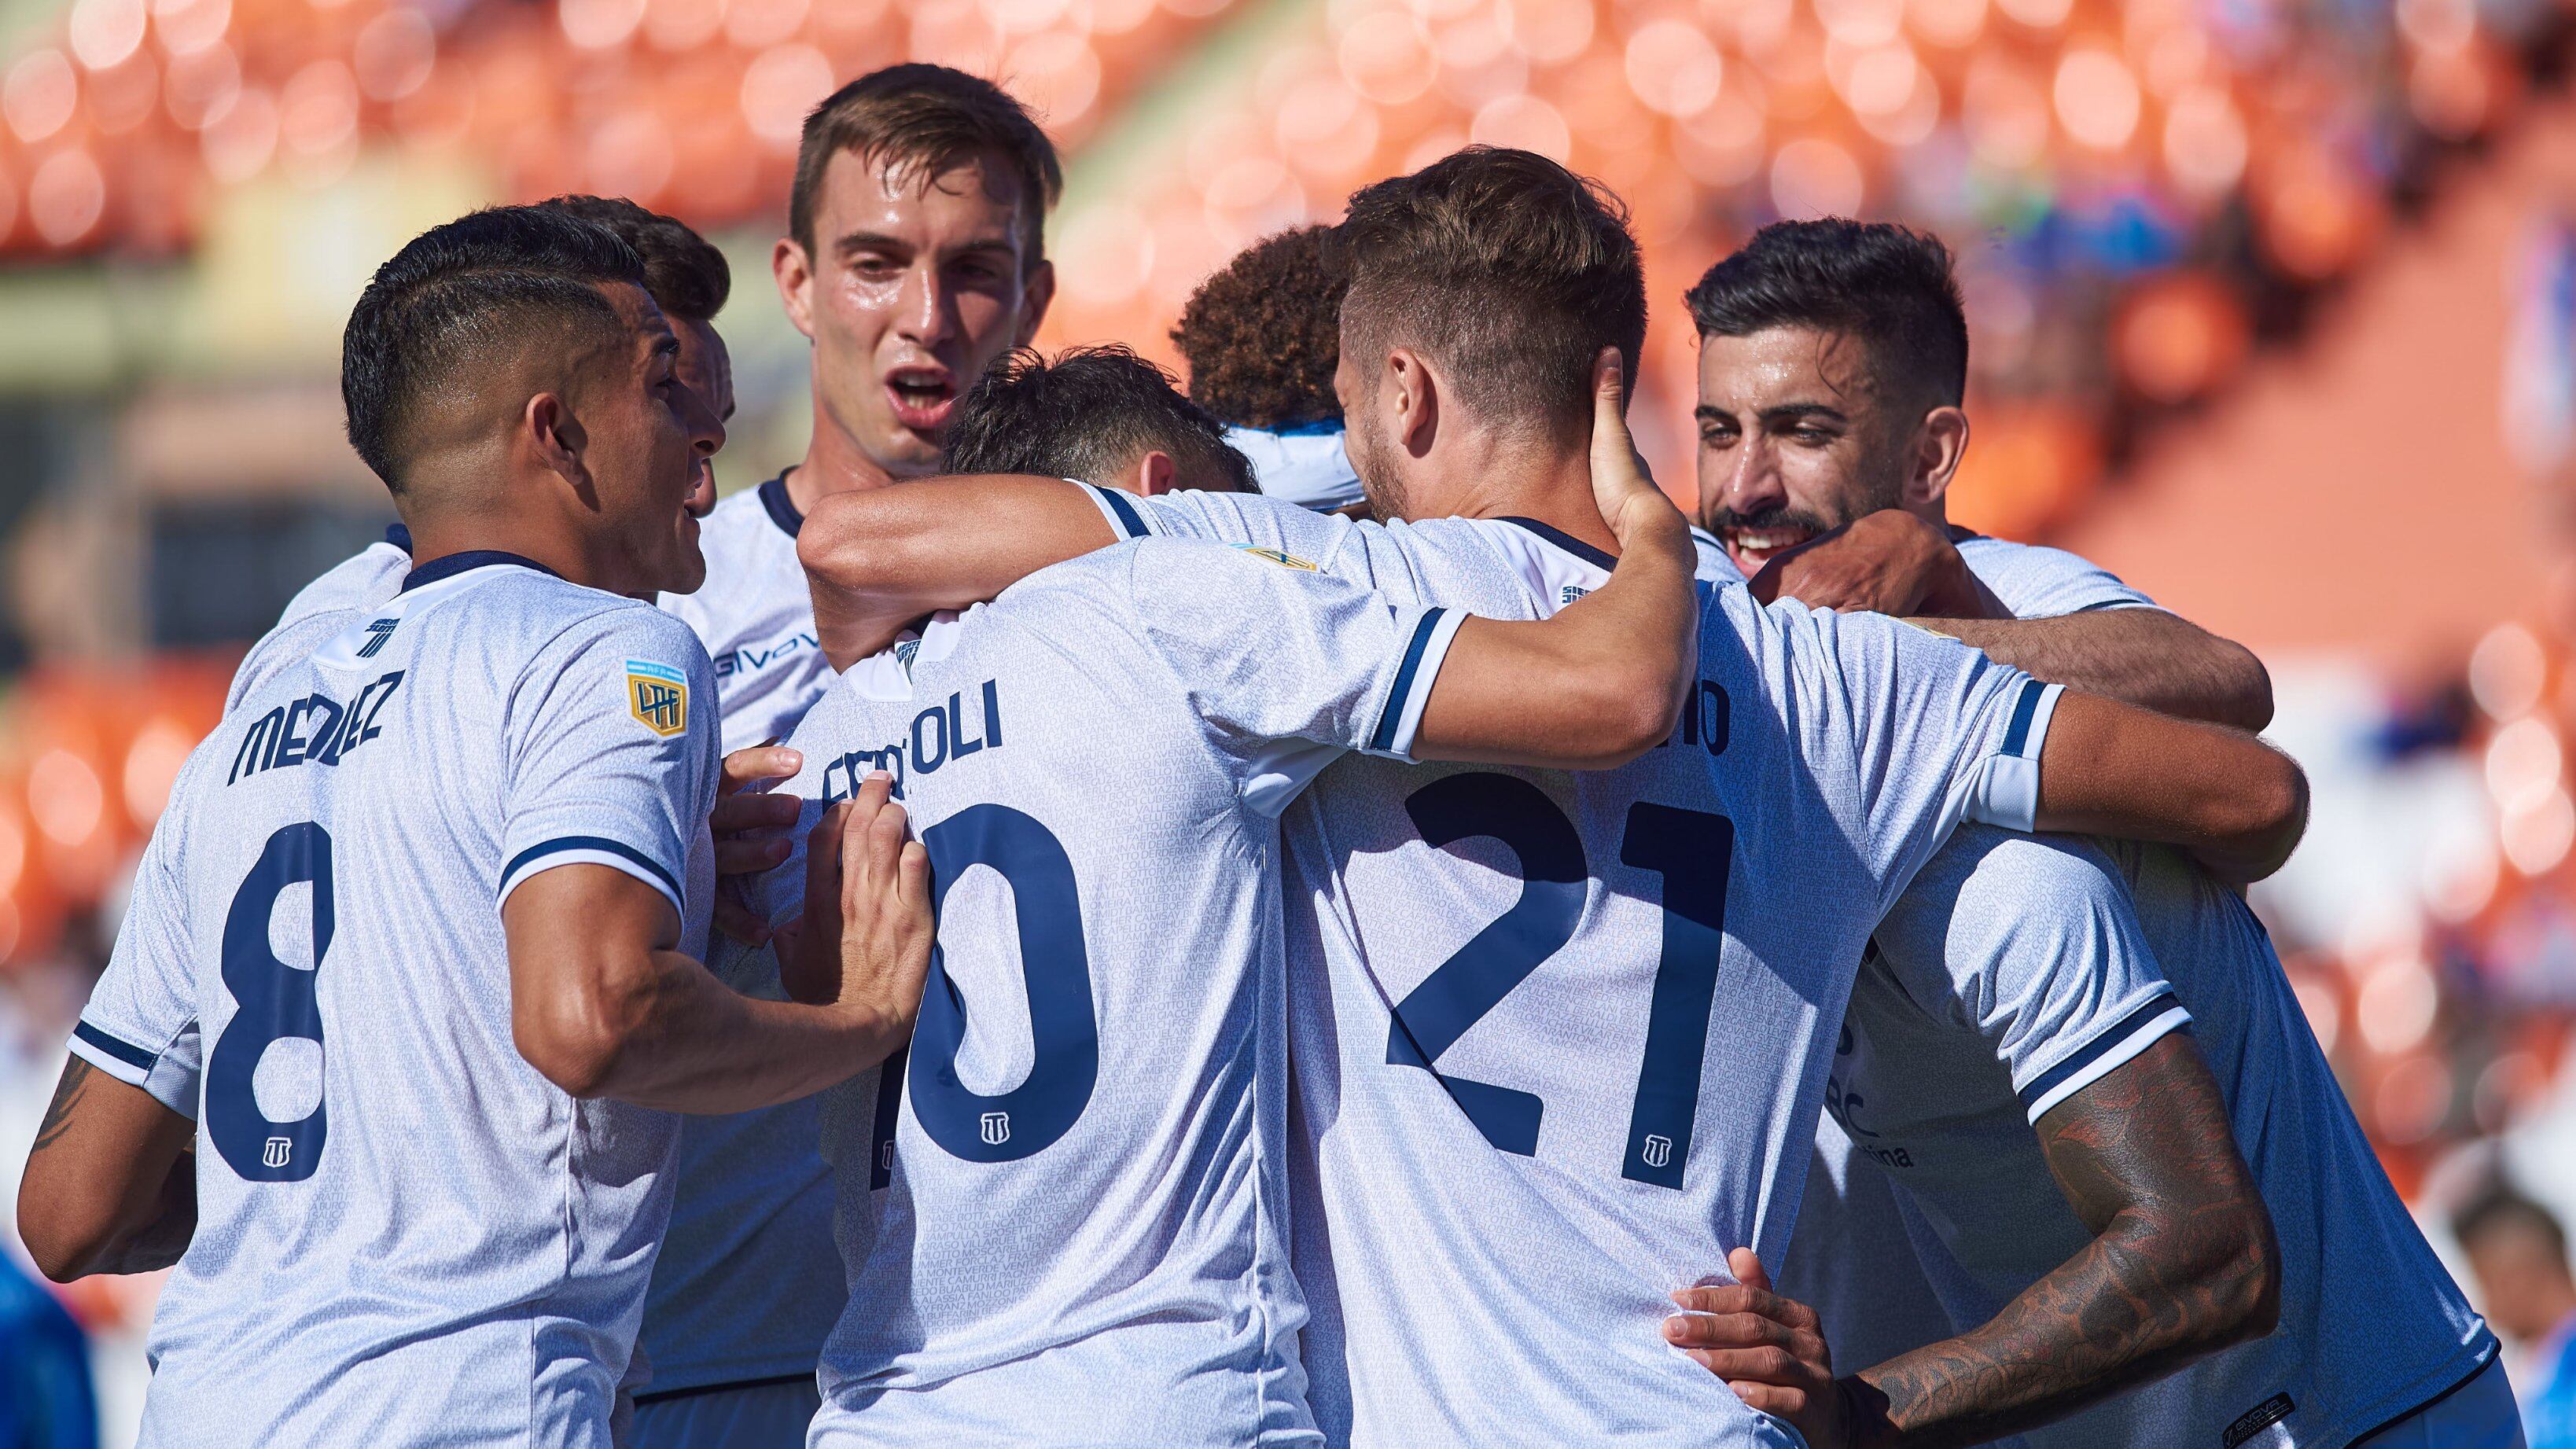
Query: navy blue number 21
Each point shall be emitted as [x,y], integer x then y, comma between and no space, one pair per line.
[272,1001]
[1055,971]
[1690,849]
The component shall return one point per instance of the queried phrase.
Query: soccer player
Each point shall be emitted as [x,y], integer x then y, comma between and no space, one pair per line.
[1524,1094]
[1099,414]
[1065,1216]
[386,1055]
[1987,1139]
[913,259]
[1261,337]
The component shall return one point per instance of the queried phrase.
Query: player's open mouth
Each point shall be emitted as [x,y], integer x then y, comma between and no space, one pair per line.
[1751,548]
[922,396]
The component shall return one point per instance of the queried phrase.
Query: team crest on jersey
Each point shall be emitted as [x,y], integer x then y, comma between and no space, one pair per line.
[658,696]
[1284,559]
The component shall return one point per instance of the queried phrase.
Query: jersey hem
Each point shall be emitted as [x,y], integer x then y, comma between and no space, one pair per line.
[591,850]
[2486,1352]
[112,1054]
[2115,1048]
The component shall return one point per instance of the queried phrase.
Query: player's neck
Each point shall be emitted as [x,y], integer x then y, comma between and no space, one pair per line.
[1504,482]
[833,463]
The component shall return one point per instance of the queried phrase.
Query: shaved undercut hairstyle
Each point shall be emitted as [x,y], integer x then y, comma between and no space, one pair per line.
[1262,336]
[916,120]
[688,277]
[463,298]
[1891,287]
[1507,270]
[1089,414]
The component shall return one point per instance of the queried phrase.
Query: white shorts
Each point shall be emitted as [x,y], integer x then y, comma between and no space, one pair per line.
[2479,1414]
[753,1416]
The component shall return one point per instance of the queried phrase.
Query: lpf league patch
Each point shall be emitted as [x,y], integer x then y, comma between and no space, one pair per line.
[1283,559]
[658,696]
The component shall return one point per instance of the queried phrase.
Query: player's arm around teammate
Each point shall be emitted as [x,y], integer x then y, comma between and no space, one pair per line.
[2183,1263]
[1895,562]
[605,1005]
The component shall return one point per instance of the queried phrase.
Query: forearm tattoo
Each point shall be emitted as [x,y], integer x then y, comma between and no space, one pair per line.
[2182,1264]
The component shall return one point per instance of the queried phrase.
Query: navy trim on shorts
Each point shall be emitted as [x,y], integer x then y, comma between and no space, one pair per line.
[1566,541]
[2093,1051]
[123,1051]
[2492,1353]
[694,1390]
[782,509]
[1384,736]
[595,842]
[473,558]
[1125,510]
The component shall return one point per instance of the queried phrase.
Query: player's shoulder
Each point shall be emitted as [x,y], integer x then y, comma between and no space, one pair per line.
[1990,862]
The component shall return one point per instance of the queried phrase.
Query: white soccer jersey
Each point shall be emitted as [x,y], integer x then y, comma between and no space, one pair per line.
[1075,1230]
[2042,583]
[748,1283]
[363,580]
[406,1234]
[1941,1093]
[756,616]
[1560,1041]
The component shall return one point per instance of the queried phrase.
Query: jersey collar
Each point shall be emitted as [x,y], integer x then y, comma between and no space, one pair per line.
[1565,541]
[782,509]
[473,558]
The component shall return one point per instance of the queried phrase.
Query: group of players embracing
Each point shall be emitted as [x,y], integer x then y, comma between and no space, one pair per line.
[1397,980]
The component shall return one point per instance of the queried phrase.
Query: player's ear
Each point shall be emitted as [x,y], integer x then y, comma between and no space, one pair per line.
[1940,441]
[1415,400]
[1156,473]
[794,273]
[1035,294]
[555,436]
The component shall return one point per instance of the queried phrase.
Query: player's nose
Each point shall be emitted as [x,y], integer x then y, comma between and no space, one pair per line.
[926,309]
[1751,482]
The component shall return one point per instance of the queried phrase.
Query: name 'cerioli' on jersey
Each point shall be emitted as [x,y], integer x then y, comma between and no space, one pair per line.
[279,738]
[938,735]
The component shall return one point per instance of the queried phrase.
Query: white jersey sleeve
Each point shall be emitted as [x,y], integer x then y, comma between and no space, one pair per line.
[1247,520]
[1268,650]
[611,753]
[140,1025]
[2033,945]
[1918,699]
[2044,583]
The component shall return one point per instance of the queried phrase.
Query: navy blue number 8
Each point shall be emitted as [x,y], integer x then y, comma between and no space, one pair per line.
[1054,969]
[272,1000]
[1691,849]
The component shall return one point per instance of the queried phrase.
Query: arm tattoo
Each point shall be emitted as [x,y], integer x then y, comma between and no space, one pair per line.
[2183,1263]
[67,1097]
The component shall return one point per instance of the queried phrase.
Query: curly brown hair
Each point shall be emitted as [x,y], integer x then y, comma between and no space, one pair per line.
[1262,336]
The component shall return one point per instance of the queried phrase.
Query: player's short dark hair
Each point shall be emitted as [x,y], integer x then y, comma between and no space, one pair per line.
[917,120]
[461,296]
[2502,1207]
[1506,268]
[1262,336]
[688,277]
[1091,412]
[1890,286]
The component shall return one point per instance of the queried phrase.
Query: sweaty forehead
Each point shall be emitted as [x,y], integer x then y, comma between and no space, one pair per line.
[1784,367]
[975,198]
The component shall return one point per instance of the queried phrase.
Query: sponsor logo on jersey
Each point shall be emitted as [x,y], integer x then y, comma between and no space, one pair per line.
[658,696]
[1568,593]
[1283,559]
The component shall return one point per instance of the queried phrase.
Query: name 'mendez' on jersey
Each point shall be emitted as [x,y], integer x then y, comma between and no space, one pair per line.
[1560,1040]
[406,1234]
[1064,1211]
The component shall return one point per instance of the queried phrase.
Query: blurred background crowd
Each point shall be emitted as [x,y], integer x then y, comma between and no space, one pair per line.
[2273,308]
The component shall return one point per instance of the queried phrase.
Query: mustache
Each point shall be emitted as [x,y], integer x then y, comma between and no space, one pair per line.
[1779,518]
